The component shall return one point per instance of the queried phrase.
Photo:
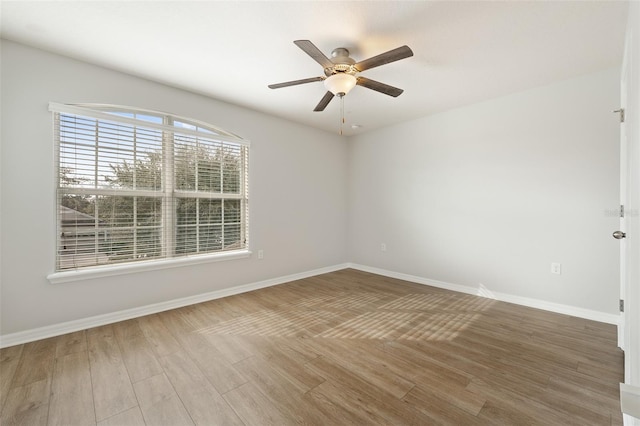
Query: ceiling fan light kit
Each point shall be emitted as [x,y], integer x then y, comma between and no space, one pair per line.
[340,84]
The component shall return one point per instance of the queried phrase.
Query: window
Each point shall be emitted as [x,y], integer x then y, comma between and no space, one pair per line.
[139,186]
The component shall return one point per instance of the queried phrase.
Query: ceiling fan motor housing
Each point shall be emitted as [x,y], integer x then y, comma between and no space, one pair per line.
[342,62]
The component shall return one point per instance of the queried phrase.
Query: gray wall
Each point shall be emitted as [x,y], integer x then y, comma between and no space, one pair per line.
[489,195]
[297,193]
[485,196]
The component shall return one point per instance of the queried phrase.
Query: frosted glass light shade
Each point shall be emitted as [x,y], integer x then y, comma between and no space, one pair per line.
[340,83]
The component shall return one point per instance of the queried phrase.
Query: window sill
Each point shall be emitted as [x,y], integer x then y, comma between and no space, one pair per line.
[131,268]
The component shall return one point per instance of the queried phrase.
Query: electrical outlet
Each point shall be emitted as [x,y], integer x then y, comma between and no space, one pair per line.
[556,268]
[383,247]
[260,254]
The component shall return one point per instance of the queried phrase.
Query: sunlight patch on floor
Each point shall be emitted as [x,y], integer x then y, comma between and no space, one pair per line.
[371,325]
[419,316]
[270,323]
[440,327]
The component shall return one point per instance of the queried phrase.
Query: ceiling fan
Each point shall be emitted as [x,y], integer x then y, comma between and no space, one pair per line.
[341,71]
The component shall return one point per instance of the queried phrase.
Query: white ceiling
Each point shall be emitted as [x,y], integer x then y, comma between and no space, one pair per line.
[464,52]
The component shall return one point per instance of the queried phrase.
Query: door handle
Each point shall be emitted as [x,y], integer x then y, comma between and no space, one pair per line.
[618,235]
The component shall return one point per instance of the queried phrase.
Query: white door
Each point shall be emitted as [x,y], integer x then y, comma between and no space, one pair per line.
[630,197]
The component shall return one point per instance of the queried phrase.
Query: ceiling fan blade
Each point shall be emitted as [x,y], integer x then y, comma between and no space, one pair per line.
[311,50]
[324,102]
[385,58]
[295,82]
[379,87]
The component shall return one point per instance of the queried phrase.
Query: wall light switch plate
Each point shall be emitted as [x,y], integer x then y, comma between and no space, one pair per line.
[556,268]
[260,254]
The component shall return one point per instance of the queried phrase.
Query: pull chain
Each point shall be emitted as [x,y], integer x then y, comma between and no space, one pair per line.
[341,113]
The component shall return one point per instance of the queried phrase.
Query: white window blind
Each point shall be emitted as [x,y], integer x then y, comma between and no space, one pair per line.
[138,185]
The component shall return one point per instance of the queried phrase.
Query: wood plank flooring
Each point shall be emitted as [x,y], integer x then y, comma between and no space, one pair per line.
[343,348]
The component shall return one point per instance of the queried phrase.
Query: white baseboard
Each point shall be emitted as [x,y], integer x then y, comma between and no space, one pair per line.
[630,400]
[98,320]
[483,292]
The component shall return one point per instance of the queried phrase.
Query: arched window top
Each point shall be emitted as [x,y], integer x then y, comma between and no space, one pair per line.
[149,118]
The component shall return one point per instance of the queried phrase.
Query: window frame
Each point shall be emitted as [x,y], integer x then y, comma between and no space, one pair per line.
[169,193]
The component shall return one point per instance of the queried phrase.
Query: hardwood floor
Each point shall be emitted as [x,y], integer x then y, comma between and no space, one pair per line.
[347,347]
